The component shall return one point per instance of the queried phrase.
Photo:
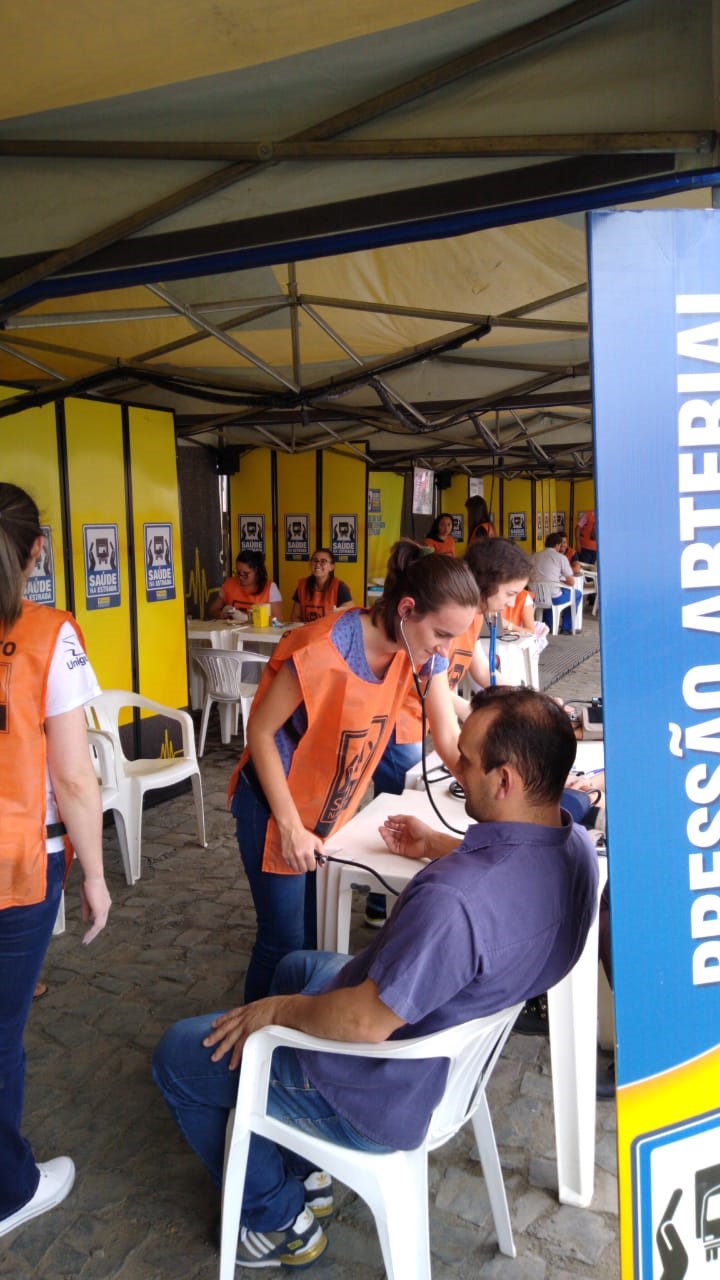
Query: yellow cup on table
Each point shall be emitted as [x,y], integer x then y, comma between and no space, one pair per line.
[260,615]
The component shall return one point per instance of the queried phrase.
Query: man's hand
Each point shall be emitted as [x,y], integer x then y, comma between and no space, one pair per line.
[408,836]
[231,1030]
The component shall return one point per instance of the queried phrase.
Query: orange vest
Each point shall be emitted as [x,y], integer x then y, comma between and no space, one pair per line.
[443,546]
[514,612]
[487,526]
[237,597]
[25,656]
[349,723]
[587,537]
[313,603]
[460,652]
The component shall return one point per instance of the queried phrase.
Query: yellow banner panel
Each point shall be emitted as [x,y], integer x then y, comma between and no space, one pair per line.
[161,631]
[297,521]
[344,516]
[96,480]
[517,513]
[251,495]
[385,499]
[584,501]
[29,458]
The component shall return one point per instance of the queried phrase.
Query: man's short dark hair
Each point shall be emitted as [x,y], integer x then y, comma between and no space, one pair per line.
[553,539]
[529,731]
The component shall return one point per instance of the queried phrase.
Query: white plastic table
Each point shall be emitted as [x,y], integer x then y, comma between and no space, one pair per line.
[572,1004]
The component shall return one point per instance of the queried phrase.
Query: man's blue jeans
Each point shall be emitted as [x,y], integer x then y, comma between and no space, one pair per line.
[566,619]
[24,936]
[200,1094]
[285,905]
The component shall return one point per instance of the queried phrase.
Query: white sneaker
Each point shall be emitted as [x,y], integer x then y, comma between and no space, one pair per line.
[56,1180]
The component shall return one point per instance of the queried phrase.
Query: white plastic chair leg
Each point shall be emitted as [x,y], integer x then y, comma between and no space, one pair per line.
[204,724]
[199,808]
[227,719]
[403,1230]
[59,925]
[236,1155]
[494,1182]
[124,847]
[133,831]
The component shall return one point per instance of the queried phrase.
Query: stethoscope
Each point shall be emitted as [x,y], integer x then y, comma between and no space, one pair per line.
[422,694]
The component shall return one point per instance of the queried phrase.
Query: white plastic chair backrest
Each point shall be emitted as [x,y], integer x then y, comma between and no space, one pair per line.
[473,1049]
[542,592]
[228,672]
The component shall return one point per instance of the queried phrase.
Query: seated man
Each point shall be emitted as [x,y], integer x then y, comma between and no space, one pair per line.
[492,921]
[552,566]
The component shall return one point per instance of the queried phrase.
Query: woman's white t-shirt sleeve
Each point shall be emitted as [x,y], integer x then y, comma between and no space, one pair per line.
[274,593]
[71,679]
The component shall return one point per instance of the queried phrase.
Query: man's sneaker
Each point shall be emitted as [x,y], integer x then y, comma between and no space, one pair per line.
[375,910]
[532,1019]
[296,1246]
[319,1193]
[56,1180]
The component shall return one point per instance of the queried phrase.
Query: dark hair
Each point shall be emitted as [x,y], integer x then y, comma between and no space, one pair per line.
[553,539]
[431,580]
[477,509]
[254,561]
[322,551]
[19,527]
[493,561]
[434,530]
[532,733]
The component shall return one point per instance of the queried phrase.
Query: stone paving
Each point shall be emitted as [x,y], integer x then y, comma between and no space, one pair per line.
[142,1208]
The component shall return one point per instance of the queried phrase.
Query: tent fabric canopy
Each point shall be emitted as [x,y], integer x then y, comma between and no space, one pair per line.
[178,179]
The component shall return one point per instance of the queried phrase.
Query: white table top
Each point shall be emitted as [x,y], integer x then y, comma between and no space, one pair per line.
[359,839]
[229,635]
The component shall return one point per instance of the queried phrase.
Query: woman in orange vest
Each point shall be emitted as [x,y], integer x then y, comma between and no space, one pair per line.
[500,570]
[479,523]
[47,788]
[322,592]
[440,535]
[249,585]
[321,718]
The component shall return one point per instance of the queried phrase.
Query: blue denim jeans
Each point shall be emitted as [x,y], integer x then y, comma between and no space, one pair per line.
[285,906]
[200,1094]
[566,619]
[389,777]
[24,936]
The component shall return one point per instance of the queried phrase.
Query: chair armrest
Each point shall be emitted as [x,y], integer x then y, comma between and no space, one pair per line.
[171,713]
[435,1045]
[103,745]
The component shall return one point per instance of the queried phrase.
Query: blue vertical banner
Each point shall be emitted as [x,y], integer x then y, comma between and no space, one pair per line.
[655,324]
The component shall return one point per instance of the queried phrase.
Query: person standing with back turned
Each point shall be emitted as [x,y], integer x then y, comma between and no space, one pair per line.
[47,787]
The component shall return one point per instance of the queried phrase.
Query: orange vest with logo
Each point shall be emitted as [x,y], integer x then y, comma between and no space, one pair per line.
[316,604]
[349,723]
[236,596]
[460,652]
[587,539]
[25,656]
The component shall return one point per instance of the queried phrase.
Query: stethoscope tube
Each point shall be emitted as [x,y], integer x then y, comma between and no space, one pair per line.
[422,694]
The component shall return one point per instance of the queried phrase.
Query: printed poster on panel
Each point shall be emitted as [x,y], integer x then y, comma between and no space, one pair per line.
[297,545]
[517,528]
[343,537]
[101,562]
[655,319]
[40,585]
[251,533]
[159,563]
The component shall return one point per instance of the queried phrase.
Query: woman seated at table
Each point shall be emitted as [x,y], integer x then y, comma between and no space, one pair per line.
[440,535]
[570,554]
[249,585]
[321,718]
[322,592]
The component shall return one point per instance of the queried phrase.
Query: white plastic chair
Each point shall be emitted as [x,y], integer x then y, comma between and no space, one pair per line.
[231,680]
[394,1185]
[132,778]
[542,592]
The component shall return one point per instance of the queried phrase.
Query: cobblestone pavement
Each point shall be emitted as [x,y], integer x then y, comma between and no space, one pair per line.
[142,1208]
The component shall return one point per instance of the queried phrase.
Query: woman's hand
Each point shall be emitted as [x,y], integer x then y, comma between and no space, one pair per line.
[95,901]
[299,847]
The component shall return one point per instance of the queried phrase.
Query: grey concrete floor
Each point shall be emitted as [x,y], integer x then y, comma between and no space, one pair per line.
[142,1207]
